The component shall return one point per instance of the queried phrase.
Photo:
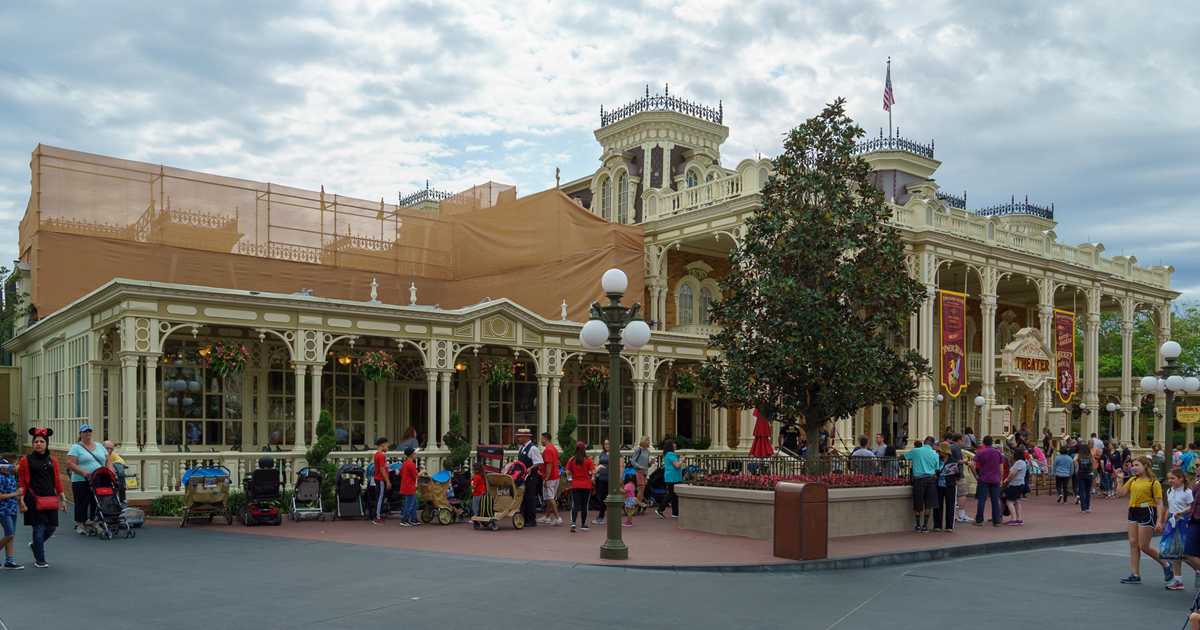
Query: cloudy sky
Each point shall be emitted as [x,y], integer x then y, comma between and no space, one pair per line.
[1091,106]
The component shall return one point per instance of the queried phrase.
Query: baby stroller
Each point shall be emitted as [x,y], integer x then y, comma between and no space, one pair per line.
[263,489]
[206,493]
[110,519]
[433,493]
[350,492]
[306,498]
[656,486]
[460,493]
[503,500]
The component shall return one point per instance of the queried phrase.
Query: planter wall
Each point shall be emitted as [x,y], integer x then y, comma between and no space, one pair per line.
[751,513]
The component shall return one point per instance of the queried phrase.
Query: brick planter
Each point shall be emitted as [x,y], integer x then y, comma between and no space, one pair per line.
[751,513]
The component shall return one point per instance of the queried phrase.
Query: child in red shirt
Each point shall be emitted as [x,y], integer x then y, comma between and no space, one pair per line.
[408,489]
[580,469]
[550,474]
[380,477]
[478,489]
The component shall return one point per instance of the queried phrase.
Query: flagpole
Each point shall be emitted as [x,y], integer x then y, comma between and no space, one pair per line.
[889,75]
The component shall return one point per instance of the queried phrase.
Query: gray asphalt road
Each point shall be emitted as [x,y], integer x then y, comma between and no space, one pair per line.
[180,579]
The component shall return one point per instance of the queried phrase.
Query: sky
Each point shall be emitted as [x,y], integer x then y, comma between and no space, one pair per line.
[1091,105]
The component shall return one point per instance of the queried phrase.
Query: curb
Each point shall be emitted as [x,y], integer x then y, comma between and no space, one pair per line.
[904,557]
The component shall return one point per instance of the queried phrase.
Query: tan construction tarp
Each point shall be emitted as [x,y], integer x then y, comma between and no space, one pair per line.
[93,218]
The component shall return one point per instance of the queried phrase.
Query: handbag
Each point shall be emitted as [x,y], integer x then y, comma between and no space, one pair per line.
[45,503]
[1170,546]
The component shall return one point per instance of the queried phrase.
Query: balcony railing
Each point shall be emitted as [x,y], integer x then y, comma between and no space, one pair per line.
[699,196]
[954,201]
[663,103]
[1017,207]
[421,196]
[895,143]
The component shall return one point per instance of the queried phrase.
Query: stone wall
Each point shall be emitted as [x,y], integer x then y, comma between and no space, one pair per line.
[751,513]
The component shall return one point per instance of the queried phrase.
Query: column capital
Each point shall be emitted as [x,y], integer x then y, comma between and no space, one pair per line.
[1093,319]
[129,360]
[1126,327]
[988,300]
[1046,310]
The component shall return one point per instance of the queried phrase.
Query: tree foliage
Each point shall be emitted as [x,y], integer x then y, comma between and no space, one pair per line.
[566,435]
[818,290]
[457,442]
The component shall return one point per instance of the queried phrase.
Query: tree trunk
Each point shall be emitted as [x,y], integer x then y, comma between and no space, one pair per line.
[813,464]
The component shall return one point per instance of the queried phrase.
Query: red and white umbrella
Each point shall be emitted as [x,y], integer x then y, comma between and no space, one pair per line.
[761,447]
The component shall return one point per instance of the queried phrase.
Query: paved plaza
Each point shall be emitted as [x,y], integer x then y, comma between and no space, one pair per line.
[235,577]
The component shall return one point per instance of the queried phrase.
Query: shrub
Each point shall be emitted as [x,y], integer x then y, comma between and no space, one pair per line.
[9,440]
[566,436]
[701,443]
[681,442]
[459,445]
[166,505]
[767,482]
[316,456]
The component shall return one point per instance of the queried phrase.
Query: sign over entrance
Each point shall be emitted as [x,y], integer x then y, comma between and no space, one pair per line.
[1025,359]
[1187,415]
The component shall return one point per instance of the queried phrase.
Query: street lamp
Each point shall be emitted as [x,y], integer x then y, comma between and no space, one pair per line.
[615,328]
[1168,382]
[980,401]
[1113,408]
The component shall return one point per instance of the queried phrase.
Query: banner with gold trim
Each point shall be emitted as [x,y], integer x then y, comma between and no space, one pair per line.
[1064,355]
[952,309]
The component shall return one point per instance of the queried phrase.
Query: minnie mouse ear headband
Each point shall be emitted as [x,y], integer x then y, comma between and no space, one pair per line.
[42,432]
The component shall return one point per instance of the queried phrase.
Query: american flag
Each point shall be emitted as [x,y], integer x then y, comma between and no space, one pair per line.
[889,98]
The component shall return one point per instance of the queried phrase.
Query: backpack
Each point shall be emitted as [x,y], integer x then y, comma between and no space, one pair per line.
[1085,464]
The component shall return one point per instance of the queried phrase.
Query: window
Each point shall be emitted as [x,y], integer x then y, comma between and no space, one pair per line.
[706,300]
[605,199]
[693,178]
[623,198]
[593,414]
[281,399]
[684,316]
[512,406]
[197,407]
[344,396]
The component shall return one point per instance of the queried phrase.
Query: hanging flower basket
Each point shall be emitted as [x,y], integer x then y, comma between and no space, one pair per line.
[224,359]
[595,378]
[377,365]
[498,372]
[686,380]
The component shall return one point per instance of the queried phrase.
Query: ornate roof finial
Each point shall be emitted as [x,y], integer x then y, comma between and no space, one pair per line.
[412,293]
[666,89]
[427,184]
[647,90]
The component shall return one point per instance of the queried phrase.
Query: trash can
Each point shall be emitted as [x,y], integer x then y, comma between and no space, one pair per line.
[801,521]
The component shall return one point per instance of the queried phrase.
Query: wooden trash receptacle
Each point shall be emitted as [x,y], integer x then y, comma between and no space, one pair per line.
[801,521]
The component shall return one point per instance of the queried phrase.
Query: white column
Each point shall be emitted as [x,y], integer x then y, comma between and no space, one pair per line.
[485,429]
[1092,368]
[714,427]
[555,405]
[445,403]
[639,405]
[914,344]
[988,387]
[369,397]
[647,157]
[1046,396]
[95,403]
[315,404]
[247,423]
[299,443]
[543,405]
[745,429]
[431,404]
[129,379]
[473,406]
[648,415]
[1127,408]
[723,428]
[1161,429]
[115,419]
[666,165]
[926,392]
[151,403]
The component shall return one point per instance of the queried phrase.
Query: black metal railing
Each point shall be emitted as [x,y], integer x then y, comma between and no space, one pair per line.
[1017,207]
[702,465]
[895,143]
[663,103]
[954,201]
[421,196]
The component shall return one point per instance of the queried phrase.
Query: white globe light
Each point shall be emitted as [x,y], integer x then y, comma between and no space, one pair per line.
[1175,383]
[635,334]
[1162,386]
[980,401]
[940,398]
[1111,407]
[614,281]
[1191,384]
[1149,384]
[593,334]
[1083,405]
[1170,350]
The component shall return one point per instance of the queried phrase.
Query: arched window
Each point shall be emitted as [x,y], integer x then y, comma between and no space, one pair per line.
[623,198]
[685,304]
[693,178]
[605,199]
[706,300]
[763,176]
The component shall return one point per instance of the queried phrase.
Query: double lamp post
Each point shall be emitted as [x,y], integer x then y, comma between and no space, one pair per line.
[1168,382]
[615,328]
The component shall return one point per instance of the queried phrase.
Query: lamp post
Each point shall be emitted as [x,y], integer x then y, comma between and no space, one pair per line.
[1168,382]
[615,328]
[980,401]
[1112,408]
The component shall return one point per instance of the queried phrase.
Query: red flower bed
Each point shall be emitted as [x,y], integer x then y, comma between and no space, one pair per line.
[767,482]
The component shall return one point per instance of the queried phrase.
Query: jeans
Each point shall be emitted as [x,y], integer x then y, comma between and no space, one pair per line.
[983,492]
[85,506]
[672,499]
[408,513]
[380,495]
[579,505]
[1060,487]
[41,533]
[1083,487]
[475,501]
[1105,482]
[602,494]
[943,510]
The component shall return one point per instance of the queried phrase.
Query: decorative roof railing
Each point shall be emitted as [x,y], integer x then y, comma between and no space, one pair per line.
[895,143]
[954,201]
[1017,207]
[663,103]
[421,196]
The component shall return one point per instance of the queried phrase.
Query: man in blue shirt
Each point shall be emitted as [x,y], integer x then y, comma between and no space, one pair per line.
[925,465]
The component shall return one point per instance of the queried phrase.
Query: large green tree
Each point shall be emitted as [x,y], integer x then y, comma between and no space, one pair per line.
[818,292]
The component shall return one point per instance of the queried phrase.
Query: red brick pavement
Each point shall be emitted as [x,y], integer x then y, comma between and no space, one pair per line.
[661,543]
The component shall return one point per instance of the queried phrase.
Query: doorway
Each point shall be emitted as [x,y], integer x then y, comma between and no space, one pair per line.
[418,406]
[685,418]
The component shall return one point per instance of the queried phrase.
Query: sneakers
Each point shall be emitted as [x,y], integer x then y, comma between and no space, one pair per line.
[11,565]
[405,524]
[377,521]
[1175,585]
[80,530]
[558,521]
[1131,579]
[41,565]
[599,521]
[545,520]
[572,528]
[659,513]
[585,527]
[1168,574]
[630,524]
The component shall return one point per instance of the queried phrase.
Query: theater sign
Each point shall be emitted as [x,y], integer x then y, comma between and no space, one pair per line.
[1025,359]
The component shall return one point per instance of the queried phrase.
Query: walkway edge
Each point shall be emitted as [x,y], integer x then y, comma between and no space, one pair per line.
[904,557]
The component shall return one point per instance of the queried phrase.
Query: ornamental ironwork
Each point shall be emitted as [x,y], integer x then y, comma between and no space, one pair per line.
[421,196]
[953,201]
[895,143]
[1018,207]
[663,103]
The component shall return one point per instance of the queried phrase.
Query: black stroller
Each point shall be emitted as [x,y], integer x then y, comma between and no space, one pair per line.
[350,483]
[306,499]
[263,490]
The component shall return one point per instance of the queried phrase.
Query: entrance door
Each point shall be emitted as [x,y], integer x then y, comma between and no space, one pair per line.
[418,405]
[684,417]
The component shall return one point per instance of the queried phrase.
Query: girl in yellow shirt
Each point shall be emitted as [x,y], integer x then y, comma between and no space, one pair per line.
[1145,518]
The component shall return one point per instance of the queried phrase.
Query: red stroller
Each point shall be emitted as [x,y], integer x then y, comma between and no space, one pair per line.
[110,518]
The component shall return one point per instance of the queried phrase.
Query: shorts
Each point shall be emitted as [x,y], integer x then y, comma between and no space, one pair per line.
[924,493]
[551,489]
[1143,516]
[9,522]
[1014,493]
